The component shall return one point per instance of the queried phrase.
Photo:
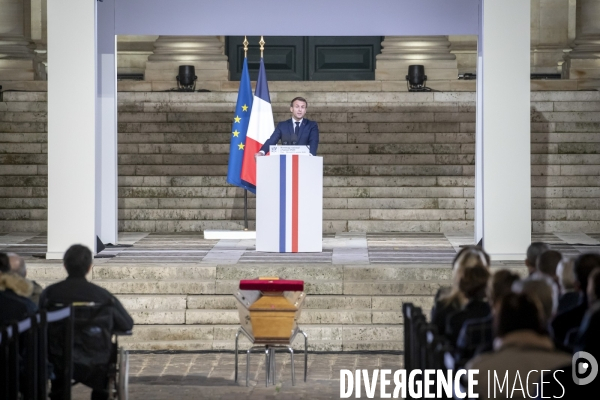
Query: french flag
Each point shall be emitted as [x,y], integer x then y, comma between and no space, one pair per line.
[260,127]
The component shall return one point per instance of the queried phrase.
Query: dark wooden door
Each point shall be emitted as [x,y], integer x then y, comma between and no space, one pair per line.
[307,58]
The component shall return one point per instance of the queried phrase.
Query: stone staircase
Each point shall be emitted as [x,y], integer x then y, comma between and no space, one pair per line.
[187,306]
[191,307]
[394,161]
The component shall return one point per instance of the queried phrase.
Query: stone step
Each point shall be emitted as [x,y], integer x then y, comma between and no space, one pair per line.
[320,338]
[228,302]
[322,287]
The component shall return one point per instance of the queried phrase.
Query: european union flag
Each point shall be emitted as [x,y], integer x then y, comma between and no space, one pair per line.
[238,132]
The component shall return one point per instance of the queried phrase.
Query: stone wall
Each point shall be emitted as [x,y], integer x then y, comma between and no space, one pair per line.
[394,161]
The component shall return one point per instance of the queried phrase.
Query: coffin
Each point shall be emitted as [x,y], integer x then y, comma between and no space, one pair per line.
[269,308]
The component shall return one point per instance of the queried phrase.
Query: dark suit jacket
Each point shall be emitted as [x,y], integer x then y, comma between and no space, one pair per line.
[473,309]
[566,321]
[308,135]
[79,289]
[14,307]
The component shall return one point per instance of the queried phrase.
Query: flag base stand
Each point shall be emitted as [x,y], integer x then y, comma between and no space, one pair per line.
[216,234]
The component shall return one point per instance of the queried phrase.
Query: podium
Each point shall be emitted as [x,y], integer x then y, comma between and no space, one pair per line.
[289,203]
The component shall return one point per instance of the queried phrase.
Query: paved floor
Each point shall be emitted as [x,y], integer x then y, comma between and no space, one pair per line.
[341,248]
[211,376]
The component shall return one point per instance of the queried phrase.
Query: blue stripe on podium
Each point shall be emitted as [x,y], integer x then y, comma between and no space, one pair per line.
[282,196]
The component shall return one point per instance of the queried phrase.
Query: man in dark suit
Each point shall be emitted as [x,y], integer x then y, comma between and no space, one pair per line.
[295,131]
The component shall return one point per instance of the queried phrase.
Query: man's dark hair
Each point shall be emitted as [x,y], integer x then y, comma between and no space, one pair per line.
[77,260]
[583,267]
[534,250]
[300,99]
[474,281]
[548,261]
[4,263]
[500,285]
[518,312]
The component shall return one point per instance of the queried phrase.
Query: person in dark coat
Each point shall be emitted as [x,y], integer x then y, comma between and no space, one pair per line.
[14,293]
[472,284]
[76,288]
[567,323]
[452,300]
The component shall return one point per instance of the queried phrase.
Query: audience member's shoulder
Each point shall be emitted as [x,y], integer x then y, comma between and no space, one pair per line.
[482,361]
[16,284]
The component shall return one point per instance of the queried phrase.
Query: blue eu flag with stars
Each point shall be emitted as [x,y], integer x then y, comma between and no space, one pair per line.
[238,131]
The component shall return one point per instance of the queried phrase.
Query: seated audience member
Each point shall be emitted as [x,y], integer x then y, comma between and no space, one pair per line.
[534,250]
[454,300]
[14,293]
[587,336]
[569,297]
[476,334]
[521,348]
[570,320]
[563,385]
[472,284]
[78,262]
[17,266]
[444,291]
[546,265]
[540,287]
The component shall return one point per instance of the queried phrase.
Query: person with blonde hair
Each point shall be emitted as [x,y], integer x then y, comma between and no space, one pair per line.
[453,300]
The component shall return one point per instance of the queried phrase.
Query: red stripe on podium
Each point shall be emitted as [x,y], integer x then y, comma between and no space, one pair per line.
[295,203]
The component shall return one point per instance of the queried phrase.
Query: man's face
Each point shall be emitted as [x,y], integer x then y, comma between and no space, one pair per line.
[298,109]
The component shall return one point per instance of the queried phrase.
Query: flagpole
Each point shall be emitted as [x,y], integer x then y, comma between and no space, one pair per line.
[246,190]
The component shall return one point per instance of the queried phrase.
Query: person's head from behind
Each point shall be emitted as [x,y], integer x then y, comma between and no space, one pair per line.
[500,285]
[566,275]
[518,312]
[474,281]
[77,261]
[298,107]
[534,250]
[469,249]
[17,264]
[593,287]
[547,263]
[540,289]
[583,267]
[4,263]
[468,257]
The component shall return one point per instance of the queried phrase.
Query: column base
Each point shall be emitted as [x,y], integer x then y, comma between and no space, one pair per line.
[16,70]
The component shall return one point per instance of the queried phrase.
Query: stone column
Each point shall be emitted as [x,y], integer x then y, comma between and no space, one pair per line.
[205,53]
[39,38]
[464,47]
[133,52]
[549,35]
[398,52]
[584,61]
[16,52]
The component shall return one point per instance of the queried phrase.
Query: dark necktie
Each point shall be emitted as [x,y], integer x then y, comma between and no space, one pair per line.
[296,133]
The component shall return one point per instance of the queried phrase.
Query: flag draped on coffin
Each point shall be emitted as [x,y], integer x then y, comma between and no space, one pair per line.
[260,127]
[239,129]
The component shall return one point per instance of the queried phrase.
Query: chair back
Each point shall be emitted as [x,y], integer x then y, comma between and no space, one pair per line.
[92,345]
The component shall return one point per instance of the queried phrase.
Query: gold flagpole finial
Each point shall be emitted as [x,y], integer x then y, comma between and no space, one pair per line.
[246,43]
[262,46]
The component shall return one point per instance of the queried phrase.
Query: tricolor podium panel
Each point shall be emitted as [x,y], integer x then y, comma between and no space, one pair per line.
[289,204]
